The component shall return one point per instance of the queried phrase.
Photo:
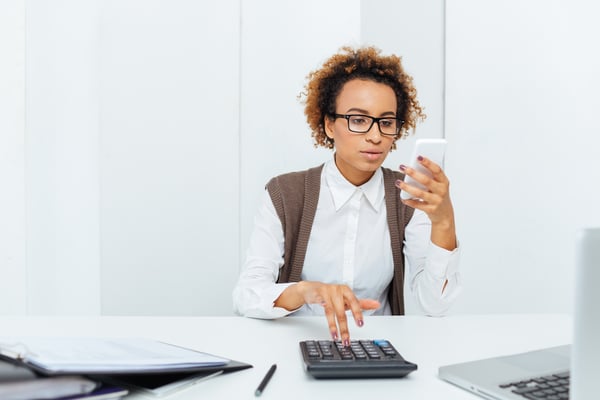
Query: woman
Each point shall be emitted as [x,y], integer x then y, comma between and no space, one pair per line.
[333,238]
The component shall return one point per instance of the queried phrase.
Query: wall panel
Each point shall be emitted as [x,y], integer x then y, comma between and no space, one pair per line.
[521,100]
[169,111]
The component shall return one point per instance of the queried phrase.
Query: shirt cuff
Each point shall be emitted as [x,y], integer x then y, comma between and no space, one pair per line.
[442,263]
[270,295]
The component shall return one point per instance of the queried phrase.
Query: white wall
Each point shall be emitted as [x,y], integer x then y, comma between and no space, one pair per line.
[133,163]
[169,117]
[114,135]
[521,118]
[13,277]
[61,162]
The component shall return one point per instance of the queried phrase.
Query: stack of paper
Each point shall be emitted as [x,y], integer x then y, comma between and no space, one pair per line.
[62,355]
[117,363]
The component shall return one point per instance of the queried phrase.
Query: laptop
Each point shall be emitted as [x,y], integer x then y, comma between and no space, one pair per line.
[564,372]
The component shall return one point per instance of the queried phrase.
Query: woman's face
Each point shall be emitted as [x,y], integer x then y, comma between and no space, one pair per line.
[358,156]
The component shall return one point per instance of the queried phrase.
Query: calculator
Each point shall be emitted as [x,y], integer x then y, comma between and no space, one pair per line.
[362,359]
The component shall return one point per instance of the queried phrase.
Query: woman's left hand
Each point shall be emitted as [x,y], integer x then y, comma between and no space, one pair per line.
[434,201]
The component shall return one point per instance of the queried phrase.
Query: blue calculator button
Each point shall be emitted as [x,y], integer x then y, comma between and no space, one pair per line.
[381,342]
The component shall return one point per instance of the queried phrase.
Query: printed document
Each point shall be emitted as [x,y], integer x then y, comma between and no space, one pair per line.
[104,355]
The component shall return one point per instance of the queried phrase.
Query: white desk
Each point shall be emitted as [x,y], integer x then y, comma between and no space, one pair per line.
[428,342]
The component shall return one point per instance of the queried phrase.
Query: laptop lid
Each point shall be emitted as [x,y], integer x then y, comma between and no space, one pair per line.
[586,342]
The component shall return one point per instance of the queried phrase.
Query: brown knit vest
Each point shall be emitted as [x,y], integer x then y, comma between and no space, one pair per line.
[295,196]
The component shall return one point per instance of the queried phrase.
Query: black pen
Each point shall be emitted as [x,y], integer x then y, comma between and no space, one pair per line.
[265,380]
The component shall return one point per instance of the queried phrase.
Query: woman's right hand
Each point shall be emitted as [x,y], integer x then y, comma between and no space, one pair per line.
[335,299]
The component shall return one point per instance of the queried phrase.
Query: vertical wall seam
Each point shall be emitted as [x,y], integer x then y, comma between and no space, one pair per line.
[99,165]
[25,158]
[444,33]
[239,177]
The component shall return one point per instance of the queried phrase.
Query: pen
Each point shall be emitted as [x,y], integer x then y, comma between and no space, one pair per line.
[265,380]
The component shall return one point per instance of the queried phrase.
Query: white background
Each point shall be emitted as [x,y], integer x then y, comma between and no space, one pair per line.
[136,137]
[522,103]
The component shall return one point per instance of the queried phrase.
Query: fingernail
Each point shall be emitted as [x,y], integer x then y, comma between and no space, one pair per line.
[334,335]
[360,322]
[398,182]
[403,167]
[420,158]
[346,343]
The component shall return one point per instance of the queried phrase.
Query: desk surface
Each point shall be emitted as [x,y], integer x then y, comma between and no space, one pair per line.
[428,342]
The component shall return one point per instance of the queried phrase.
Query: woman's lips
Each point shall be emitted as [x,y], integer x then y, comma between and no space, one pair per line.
[371,154]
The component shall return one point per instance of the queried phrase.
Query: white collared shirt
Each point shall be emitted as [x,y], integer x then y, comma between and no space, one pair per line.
[349,244]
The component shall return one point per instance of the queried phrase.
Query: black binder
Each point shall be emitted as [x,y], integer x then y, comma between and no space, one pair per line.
[154,382]
[18,366]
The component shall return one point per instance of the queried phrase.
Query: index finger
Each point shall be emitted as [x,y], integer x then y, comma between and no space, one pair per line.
[435,169]
[339,308]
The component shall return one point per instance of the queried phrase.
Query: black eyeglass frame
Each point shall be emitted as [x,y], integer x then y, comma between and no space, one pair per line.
[373,120]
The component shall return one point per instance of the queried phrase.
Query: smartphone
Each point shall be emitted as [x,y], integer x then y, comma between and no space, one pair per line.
[433,149]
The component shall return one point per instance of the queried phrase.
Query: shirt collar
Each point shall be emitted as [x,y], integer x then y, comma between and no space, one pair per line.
[341,190]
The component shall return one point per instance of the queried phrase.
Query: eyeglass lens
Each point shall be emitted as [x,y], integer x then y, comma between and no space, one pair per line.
[363,123]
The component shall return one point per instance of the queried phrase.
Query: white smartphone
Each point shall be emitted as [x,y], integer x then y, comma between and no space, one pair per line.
[433,149]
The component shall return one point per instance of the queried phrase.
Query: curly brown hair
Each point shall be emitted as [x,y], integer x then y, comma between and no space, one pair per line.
[325,84]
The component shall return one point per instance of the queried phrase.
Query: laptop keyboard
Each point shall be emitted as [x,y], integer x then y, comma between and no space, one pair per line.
[549,387]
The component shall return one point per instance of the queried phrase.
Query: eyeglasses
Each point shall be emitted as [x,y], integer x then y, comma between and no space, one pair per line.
[359,123]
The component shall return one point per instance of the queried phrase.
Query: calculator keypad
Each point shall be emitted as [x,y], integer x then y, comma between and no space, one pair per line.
[358,350]
[362,358]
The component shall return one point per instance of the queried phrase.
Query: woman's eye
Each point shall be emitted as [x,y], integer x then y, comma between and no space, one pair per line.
[358,120]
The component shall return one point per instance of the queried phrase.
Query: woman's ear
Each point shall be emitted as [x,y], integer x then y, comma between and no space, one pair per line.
[328,124]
